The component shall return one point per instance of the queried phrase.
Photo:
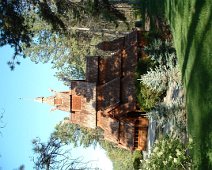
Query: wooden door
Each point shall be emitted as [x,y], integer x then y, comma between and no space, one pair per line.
[142,138]
[140,134]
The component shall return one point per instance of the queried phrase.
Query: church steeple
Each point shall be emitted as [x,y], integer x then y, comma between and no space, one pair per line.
[61,100]
[48,100]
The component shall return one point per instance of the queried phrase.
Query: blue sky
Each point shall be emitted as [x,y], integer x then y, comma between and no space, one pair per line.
[25,119]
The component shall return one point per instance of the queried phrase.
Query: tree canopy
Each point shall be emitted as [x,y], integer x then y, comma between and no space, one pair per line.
[22,22]
[54,155]
[77,135]
[80,136]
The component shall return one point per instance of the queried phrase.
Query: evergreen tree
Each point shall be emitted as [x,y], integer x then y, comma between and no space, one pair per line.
[121,158]
[17,31]
[77,135]
[165,72]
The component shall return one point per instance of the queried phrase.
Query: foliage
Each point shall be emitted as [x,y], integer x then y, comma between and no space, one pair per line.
[190,22]
[157,71]
[144,64]
[171,117]
[137,156]
[169,153]
[54,155]
[80,136]
[157,47]
[147,98]
[156,79]
[67,51]
[17,28]
[160,77]
[77,135]
[13,30]
[121,158]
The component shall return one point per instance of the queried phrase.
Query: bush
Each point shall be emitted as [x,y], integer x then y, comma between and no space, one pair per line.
[168,154]
[159,48]
[147,98]
[143,66]
[163,74]
[121,158]
[137,156]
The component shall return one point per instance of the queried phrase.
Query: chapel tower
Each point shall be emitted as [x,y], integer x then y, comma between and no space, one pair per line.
[60,100]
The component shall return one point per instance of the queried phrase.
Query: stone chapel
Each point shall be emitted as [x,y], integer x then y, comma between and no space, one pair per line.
[107,96]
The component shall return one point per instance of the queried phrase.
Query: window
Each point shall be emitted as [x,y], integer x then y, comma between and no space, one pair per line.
[76,103]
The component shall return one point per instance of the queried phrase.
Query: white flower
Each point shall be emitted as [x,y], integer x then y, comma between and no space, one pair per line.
[178,152]
[175,160]
[159,154]
[155,149]
[164,162]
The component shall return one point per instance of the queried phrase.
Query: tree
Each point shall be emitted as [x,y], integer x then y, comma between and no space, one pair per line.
[80,136]
[67,52]
[165,72]
[54,155]
[121,158]
[16,30]
[77,135]
[72,29]
[13,30]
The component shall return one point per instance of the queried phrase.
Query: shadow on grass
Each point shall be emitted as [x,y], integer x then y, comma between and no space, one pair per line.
[191,33]
[196,71]
[191,25]
[199,98]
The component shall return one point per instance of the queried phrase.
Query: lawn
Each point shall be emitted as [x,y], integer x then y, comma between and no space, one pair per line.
[191,25]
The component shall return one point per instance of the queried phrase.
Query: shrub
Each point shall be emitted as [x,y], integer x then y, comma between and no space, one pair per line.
[147,98]
[171,113]
[162,75]
[159,48]
[121,158]
[156,79]
[137,156]
[168,154]
[144,65]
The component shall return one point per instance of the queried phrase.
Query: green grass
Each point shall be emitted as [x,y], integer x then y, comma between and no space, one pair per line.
[191,25]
